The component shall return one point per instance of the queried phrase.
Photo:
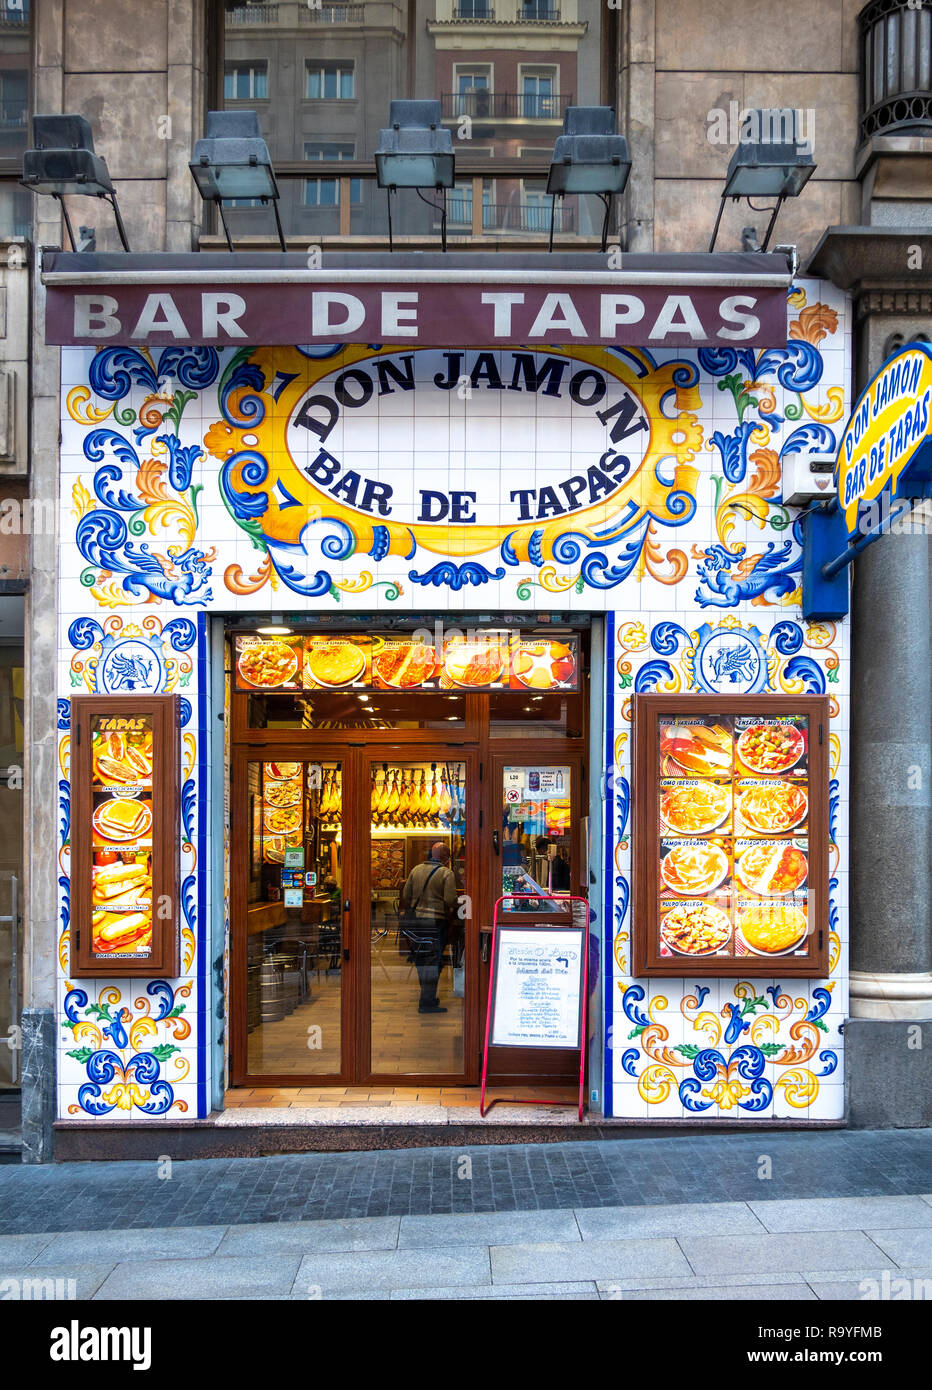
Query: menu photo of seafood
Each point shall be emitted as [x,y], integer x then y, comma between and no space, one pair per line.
[121,902]
[121,753]
[268,663]
[543,665]
[337,663]
[776,747]
[697,747]
[695,928]
[692,808]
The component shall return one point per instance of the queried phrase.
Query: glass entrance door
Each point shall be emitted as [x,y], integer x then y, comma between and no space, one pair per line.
[353,959]
[419,910]
[292,953]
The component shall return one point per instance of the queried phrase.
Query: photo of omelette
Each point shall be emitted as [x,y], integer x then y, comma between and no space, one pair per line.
[333,664]
[772,928]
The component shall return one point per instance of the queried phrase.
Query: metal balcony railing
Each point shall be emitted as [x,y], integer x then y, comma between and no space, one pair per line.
[252,14]
[511,217]
[503,106]
[473,11]
[533,13]
[334,14]
[896,69]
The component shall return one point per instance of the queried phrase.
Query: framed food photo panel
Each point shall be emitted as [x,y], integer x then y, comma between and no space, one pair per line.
[731,835]
[125,832]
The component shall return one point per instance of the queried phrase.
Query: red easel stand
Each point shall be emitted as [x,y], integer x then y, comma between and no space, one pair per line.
[515,1100]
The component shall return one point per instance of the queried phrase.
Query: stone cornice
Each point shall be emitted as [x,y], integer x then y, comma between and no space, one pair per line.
[876,261]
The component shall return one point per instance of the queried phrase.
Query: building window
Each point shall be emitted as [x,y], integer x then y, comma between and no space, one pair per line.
[538,95]
[325,192]
[331,81]
[246,82]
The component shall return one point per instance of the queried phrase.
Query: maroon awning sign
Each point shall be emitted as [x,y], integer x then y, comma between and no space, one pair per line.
[424,308]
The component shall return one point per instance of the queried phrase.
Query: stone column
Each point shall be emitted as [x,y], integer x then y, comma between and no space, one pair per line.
[889,1035]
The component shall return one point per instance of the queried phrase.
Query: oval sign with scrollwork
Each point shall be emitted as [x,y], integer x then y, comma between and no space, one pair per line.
[505,455]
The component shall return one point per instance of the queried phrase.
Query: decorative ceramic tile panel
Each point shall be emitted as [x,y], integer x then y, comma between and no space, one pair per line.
[646,485]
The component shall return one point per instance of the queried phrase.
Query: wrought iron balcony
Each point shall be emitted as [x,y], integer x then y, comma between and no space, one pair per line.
[510,217]
[503,106]
[241,15]
[896,69]
[473,11]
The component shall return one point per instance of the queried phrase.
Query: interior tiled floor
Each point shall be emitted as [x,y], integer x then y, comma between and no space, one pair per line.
[307,1040]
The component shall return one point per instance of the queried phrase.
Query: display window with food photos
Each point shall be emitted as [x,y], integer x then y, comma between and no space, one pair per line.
[124,792]
[732,834]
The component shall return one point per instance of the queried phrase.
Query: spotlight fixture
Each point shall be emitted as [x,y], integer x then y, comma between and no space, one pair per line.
[63,162]
[416,152]
[233,162]
[766,168]
[589,157]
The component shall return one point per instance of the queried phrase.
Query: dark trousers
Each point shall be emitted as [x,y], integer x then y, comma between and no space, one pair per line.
[431,940]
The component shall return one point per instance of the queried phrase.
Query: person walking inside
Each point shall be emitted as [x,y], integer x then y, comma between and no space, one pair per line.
[430,892]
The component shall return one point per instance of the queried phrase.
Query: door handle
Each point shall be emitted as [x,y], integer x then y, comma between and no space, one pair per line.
[345,953]
[346,904]
[495,845]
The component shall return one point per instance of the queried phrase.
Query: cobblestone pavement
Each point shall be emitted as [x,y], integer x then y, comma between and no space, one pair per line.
[402,1183]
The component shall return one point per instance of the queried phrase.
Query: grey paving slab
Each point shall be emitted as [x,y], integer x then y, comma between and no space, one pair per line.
[214,1277]
[303,1237]
[562,1262]
[14,1249]
[787,1293]
[488,1228]
[802,1250]
[717,1218]
[506,1292]
[160,1243]
[846,1290]
[52,1282]
[438,1267]
[842,1213]
[905,1247]
[620,1287]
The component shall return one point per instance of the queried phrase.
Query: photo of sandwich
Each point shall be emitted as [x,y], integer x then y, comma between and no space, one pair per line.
[116,932]
[121,885]
[121,820]
[118,759]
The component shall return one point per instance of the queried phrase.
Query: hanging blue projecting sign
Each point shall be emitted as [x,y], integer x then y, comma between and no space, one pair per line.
[884,462]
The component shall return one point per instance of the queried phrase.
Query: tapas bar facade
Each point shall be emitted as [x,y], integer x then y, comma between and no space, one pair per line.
[535,597]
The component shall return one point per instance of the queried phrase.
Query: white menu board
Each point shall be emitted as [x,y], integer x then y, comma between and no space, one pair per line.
[538,986]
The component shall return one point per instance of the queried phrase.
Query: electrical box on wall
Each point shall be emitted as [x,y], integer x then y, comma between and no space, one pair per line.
[806,478]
